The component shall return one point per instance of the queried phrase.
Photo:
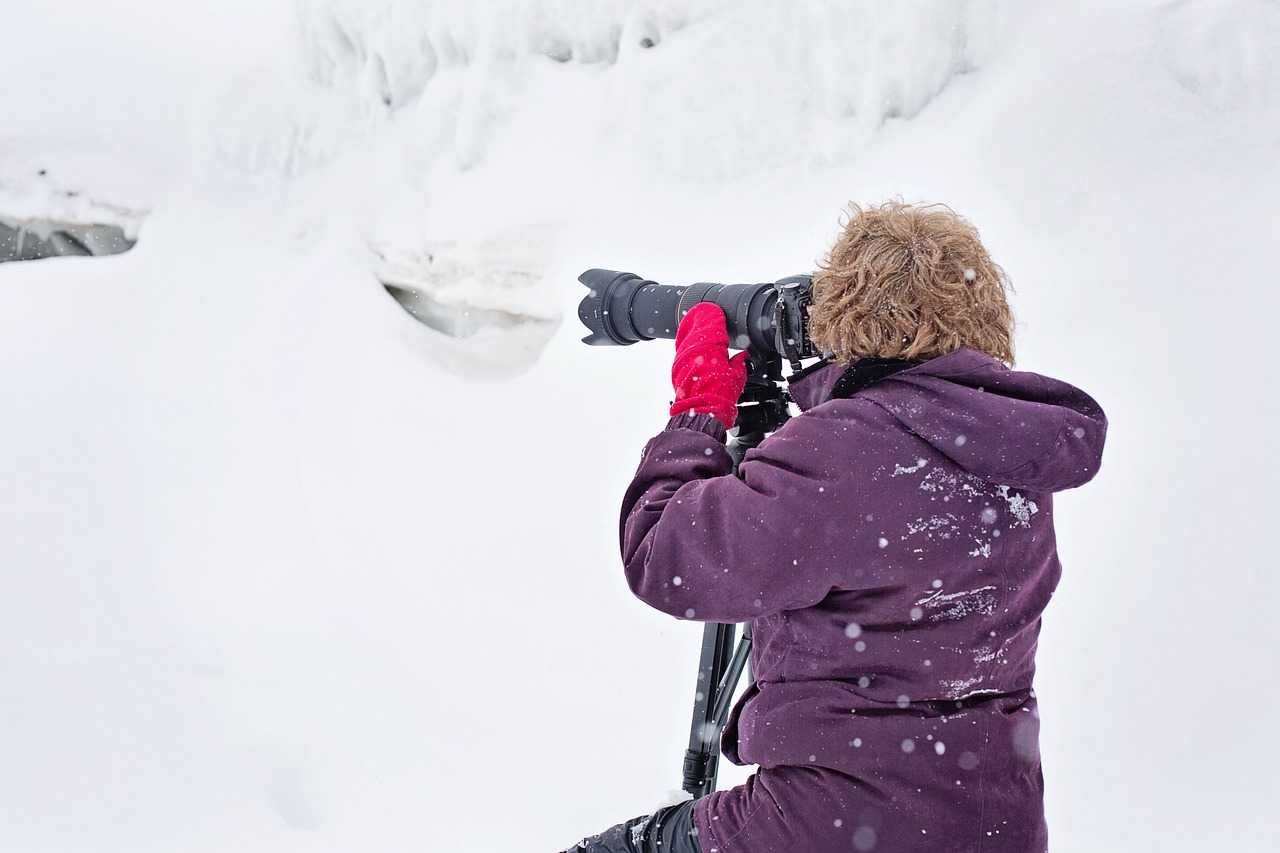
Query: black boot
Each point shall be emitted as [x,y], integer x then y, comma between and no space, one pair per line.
[668,830]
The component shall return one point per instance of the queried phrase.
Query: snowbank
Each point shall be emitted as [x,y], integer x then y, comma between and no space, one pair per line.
[290,570]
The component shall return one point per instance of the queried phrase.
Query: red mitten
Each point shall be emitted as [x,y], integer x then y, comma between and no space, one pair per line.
[705,379]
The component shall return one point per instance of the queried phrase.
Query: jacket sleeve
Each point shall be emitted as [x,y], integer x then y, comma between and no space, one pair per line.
[701,544]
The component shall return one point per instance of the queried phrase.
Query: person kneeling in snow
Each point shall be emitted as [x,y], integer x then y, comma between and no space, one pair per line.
[892,547]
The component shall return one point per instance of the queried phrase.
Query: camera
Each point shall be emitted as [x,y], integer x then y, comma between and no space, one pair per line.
[769,320]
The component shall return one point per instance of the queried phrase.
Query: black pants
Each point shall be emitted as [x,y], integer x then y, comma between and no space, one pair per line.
[668,830]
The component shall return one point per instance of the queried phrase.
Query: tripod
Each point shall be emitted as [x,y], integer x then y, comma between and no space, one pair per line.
[762,408]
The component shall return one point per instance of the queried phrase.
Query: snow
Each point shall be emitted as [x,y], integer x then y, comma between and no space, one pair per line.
[286,569]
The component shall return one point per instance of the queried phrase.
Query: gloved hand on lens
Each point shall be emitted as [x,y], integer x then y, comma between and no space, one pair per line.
[705,378]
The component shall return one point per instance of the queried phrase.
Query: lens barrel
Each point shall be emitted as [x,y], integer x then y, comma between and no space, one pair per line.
[622,308]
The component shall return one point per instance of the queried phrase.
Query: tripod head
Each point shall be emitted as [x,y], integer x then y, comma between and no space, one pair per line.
[763,406]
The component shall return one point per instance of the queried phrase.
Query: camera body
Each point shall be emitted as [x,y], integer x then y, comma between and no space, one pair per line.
[769,320]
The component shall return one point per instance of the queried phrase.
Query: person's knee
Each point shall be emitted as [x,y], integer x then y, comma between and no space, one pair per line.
[668,830]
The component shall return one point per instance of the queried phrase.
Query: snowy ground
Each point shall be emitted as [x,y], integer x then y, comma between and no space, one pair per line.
[286,569]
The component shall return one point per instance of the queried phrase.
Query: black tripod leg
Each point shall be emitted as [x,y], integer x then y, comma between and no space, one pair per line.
[702,757]
[733,672]
[762,409]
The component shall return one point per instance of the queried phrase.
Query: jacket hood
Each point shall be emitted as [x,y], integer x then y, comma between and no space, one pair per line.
[1008,427]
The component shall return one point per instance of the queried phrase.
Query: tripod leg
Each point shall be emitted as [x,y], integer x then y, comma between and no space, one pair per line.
[702,757]
[732,674]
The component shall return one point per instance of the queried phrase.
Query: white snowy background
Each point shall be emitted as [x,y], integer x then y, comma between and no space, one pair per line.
[284,569]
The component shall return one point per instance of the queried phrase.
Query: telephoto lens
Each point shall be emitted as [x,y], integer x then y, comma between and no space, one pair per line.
[621,308]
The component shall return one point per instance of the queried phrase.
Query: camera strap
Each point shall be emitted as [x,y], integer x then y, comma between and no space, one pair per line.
[865,372]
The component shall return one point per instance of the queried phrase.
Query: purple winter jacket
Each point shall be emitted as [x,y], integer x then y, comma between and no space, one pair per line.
[893,552]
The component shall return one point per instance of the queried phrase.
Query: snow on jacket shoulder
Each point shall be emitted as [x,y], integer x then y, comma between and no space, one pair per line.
[894,552]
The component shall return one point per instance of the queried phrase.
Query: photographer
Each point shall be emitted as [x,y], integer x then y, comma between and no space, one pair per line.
[892,547]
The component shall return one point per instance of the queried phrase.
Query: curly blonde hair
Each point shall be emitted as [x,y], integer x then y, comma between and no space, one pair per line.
[911,282]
